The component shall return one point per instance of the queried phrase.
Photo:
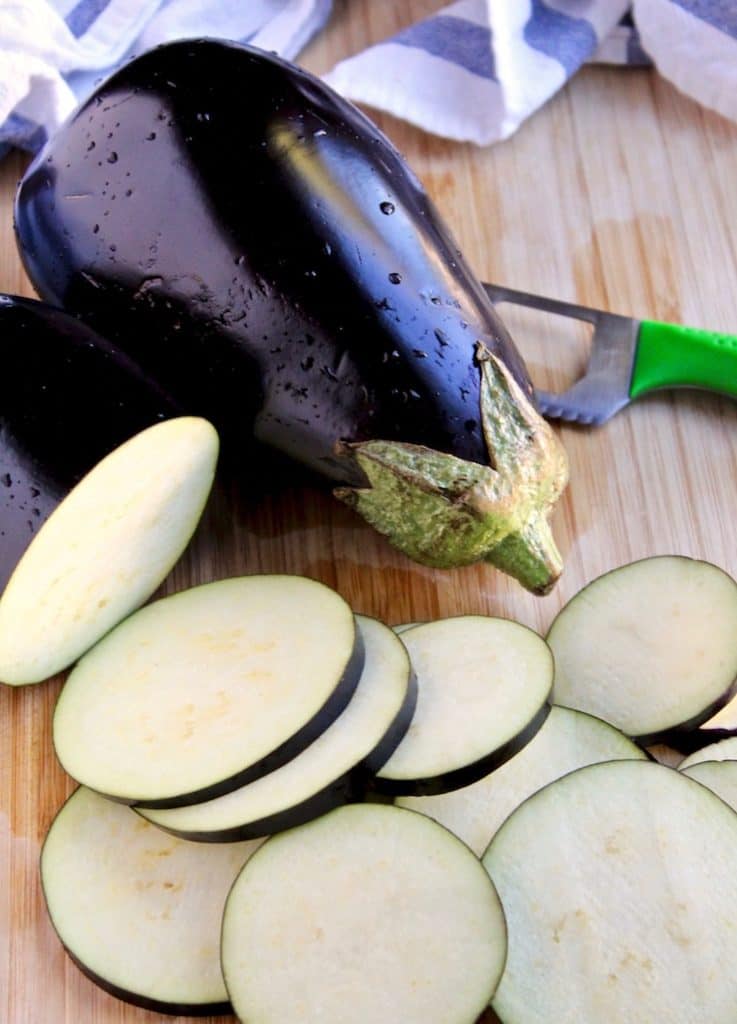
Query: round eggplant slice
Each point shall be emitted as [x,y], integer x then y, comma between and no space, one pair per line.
[617,882]
[370,913]
[138,910]
[483,687]
[724,750]
[649,646]
[718,776]
[331,771]
[201,692]
[568,740]
[106,548]
[69,398]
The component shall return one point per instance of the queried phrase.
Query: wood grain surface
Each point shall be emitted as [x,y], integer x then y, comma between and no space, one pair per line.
[618,194]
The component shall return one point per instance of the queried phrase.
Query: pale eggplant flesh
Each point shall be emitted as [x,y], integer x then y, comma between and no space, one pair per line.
[69,398]
[262,250]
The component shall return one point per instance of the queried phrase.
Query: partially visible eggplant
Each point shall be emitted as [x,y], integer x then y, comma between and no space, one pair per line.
[68,398]
[262,250]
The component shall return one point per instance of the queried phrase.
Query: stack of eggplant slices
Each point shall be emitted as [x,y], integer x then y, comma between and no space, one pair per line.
[296,813]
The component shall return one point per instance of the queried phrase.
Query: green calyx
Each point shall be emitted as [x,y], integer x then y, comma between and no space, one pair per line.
[444,512]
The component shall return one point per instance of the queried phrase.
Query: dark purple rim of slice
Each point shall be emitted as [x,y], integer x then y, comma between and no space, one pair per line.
[286,751]
[457,778]
[351,787]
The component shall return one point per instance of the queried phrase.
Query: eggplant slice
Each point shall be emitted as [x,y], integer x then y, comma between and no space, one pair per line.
[201,692]
[568,740]
[139,911]
[105,548]
[483,688]
[649,647]
[299,289]
[723,750]
[333,770]
[618,885]
[718,776]
[370,914]
[69,398]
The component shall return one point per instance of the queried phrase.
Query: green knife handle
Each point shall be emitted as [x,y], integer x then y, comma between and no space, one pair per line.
[671,356]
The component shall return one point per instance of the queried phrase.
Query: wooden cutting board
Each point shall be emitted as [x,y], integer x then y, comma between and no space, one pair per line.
[618,194]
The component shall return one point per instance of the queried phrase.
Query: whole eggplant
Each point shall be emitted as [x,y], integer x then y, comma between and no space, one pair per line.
[260,248]
[68,398]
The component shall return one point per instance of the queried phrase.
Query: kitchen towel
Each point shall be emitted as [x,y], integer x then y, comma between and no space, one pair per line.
[478,68]
[472,71]
[53,52]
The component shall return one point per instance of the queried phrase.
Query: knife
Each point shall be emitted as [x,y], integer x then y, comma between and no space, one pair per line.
[630,358]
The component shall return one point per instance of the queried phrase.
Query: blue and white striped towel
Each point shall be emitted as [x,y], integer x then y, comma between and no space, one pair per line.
[473,71]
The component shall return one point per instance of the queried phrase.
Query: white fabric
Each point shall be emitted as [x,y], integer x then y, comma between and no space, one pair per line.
[474,70]
[699,57]
[52,52]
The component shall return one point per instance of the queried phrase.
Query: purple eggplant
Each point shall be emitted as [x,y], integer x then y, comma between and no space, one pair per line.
[258,246]
[69,398]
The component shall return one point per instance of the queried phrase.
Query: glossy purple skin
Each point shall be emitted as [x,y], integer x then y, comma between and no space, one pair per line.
[68,398]
[261,249]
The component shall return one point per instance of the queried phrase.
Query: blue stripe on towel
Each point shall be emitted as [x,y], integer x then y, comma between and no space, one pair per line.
[83,15]
[720,14]
[570,41]
[19,131]
[455,40]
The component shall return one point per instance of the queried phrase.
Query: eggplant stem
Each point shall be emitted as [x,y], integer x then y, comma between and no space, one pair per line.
[444,512]
[531,556]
